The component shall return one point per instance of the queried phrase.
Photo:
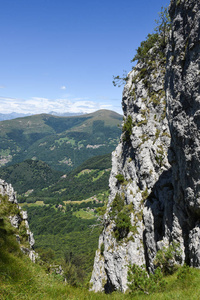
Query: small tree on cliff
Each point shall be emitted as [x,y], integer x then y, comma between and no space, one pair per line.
[159,36]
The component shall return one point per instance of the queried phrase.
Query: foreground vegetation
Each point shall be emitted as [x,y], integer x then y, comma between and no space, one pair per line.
[21,279]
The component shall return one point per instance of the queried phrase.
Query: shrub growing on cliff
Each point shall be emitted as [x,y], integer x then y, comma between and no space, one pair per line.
[120,80]
[127,128]
[120,178]
[121,216]
[145,46]
[117,205]
[159,37]
[163,26]
[142,282]
[166,258]
[123,225]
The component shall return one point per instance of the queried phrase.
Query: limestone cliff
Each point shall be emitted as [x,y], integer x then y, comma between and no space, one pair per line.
[10,210]
[151,203]
[140,178]
[183,104]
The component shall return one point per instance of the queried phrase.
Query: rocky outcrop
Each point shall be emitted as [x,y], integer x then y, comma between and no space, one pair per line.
[18,219]
[140,179]
[183,105]
[155,202]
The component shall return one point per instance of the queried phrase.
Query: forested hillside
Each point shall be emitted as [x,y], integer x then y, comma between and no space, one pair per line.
[69,234]
[29,175]
[89,179]
[62,142]
[36,181]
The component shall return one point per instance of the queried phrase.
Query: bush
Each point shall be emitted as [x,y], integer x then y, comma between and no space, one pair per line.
[142,282]
[159,37]
[127,129]
[145,46]
[166,258]
[120,178]
[117,205]
[121,215]
[123,225]
[120,80]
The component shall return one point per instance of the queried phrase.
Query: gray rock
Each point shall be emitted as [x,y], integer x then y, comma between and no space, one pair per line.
[7,189]
[20,219]
[15,221]
[183,106]
[30,238]
[24,215]
[142,159]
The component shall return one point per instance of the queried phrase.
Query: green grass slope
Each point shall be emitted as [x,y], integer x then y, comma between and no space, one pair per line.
[21,279]
[62,142]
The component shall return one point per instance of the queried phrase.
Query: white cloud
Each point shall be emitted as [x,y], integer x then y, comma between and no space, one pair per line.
[2,87]
[38,105]
[63,87]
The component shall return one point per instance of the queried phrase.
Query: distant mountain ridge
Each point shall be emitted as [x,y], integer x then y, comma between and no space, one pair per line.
[15,115]
[62,142]
[12,115]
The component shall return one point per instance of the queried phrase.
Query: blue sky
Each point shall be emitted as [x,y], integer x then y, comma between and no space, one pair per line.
[60,55]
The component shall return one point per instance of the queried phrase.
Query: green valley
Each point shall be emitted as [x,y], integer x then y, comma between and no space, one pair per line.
[64,197]
[63,209]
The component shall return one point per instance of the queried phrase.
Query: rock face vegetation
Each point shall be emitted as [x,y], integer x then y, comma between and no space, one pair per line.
[14,223]
[152,216]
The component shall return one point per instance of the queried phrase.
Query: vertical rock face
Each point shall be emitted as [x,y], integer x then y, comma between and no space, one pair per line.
[140,180]
[183,102]
[153,201]
[18,219]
